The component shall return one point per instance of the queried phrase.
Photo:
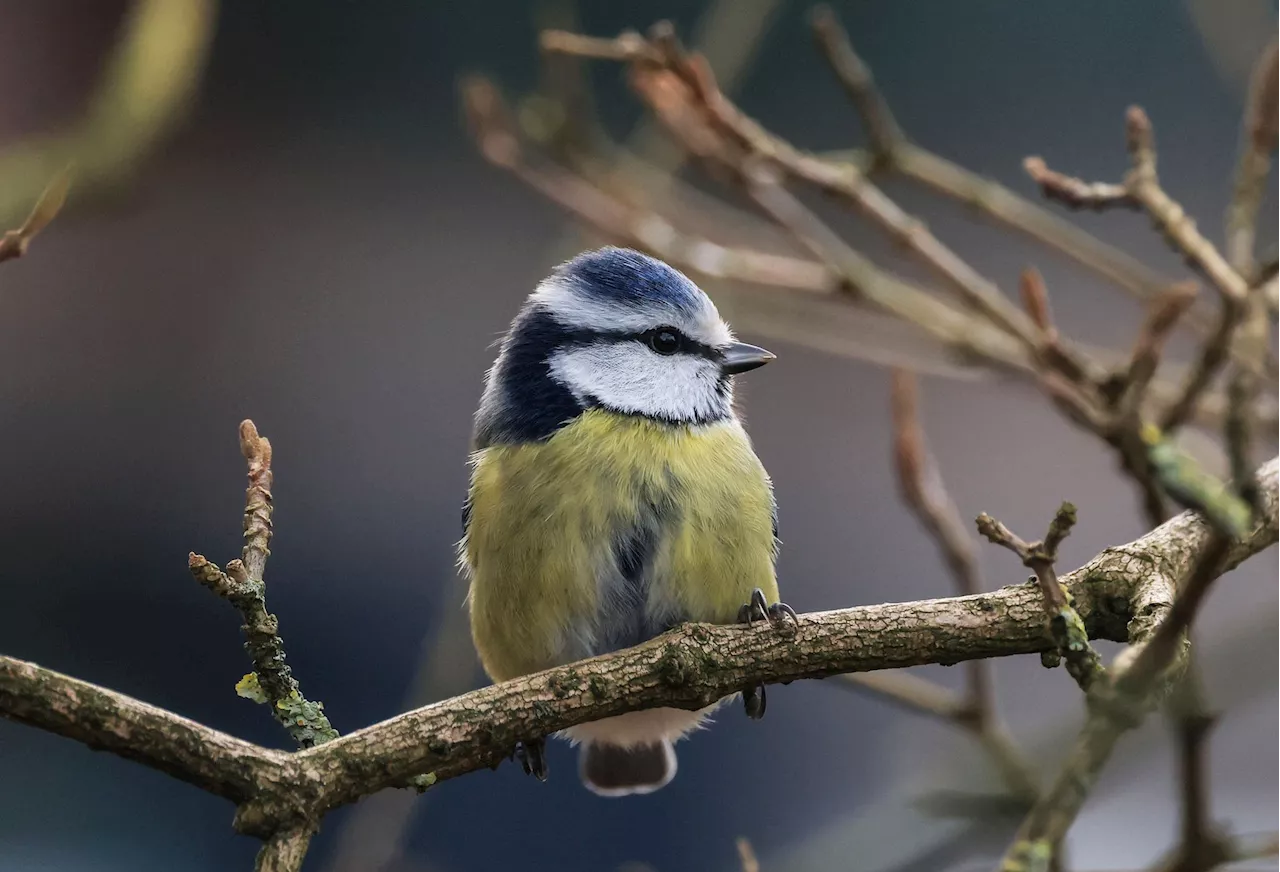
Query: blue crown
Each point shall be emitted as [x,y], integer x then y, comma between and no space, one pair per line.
[630,278]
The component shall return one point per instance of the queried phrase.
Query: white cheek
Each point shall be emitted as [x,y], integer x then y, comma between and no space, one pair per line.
[629,377]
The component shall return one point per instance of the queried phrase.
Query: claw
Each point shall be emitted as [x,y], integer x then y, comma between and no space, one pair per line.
[532,757]
[779,612]
[754,701]
[755,609]
[759,609]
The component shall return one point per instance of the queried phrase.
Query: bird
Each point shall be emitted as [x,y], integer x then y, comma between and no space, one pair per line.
[614,495]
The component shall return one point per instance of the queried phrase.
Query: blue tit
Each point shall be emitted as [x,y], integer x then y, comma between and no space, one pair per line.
[615,494]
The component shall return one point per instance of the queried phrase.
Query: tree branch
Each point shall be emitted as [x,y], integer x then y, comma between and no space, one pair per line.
[286,849]
[1124,592]
[109,721]
[1141,188]
[1119,700]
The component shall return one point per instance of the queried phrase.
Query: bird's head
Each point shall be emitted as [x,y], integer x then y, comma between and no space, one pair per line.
[614,329]
[641,338]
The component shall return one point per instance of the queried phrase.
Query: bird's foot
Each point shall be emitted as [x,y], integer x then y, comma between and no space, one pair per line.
[759,609]
[532,755]
[754,701]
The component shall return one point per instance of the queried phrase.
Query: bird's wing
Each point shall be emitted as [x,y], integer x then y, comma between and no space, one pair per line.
[773,510]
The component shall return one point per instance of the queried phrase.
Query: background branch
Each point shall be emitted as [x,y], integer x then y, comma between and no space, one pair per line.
[145,91]
[285,850]
[14,243]
[925,494]
[891,150]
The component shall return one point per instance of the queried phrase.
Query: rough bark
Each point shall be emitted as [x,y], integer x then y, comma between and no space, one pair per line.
[1122,594]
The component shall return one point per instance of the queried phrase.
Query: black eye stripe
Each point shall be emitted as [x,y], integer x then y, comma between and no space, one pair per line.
[579,338]
[563,336]
[656,340]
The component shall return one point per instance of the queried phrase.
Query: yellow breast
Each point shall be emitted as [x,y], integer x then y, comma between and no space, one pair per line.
[546,517]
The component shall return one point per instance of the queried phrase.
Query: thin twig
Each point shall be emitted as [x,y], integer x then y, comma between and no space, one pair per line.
[14,243]
[911,692]
[682,93]
[892,150]
[1239,429]
[1169,638]
[881,290]
[242,585]
[1128,389]
[1161,319]
[1178,228]
[883,132]
[1253,847]
[676,101]
[1142,188]
[1076,193]
[1052,354]
[1258,140]
[925,494]
[1213,354]
[1259,136]
[922,489]
[498,141]
[1065,626]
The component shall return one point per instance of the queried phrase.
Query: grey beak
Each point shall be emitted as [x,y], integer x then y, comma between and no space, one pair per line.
[741,357]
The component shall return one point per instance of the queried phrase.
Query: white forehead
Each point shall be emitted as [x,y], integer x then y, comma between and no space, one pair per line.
[573,304]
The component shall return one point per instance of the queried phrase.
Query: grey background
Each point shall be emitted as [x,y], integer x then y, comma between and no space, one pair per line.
[321,249]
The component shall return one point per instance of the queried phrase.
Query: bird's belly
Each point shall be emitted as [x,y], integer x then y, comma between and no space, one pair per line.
[609,533]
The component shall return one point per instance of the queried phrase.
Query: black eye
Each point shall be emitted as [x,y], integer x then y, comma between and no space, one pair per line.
[664,340]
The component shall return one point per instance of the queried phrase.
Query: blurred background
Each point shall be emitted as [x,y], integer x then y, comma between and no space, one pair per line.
[280,215]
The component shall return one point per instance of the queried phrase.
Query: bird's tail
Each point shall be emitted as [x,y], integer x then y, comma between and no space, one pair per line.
[611,770]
